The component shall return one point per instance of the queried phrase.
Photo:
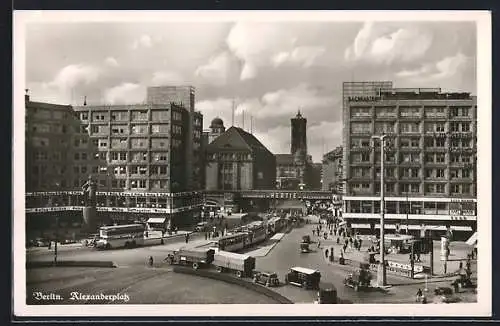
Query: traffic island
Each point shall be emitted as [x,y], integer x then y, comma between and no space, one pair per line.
[70,263]
[233,280]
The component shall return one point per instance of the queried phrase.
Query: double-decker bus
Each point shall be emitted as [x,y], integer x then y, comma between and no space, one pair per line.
[117,236]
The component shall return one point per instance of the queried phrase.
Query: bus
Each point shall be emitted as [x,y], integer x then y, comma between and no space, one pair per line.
[118,236]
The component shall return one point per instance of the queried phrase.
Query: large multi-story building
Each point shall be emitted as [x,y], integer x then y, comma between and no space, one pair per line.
[332,179]
[236,160]
[430,161]
[138,155]
[185,97]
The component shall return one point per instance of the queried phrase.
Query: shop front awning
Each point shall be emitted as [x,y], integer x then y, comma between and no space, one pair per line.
[472,240]
[158,220]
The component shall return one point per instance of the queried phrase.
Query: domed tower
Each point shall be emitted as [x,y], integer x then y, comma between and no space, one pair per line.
[216,129]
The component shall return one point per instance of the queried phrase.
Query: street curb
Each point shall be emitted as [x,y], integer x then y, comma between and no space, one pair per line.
[70,263]
[233,280]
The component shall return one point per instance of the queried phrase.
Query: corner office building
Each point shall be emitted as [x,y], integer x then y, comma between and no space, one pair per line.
[430,158]
[138,154]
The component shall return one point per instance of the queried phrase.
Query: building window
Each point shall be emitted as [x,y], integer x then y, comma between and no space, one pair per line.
[459,112]
[408,112]
[119,116]
[141,115]
[139,142]
[139,129]
[160,157]
[359,128]
[440,158]
[159,143]
[413,127]
[357,112]
[465,127]
[159,115]
[134,170]
[118,130]
[160,128]
[77,156]
[103,143]
[384,127]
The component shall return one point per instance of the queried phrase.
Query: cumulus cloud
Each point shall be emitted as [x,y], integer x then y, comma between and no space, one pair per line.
[219,107]
[303,55]
[74,75]
[143,41]
[381,43]
[161,78]
[216,70]
[285,102]
[112,62]
[125,93]
[277,139]
[259,45]
[448,67]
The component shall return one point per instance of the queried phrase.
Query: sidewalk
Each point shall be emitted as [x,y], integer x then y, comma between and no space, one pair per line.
[459,253]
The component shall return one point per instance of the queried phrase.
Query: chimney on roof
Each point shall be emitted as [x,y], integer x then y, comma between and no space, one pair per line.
[27,95]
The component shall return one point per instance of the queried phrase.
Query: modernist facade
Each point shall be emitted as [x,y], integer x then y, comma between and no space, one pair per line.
[430,161]
[138,155]
[332,167]
[293,171]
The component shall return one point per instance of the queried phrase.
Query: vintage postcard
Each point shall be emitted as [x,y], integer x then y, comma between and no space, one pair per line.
[237,163]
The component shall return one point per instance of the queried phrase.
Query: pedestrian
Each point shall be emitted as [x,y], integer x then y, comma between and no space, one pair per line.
[346,242]
[344,247]
[206,236]
[313,232]
[326,253]
[187,239]
[360,241]
[150,261]
[319,244]
[356,244]
[338,240]
[418,256]
[419,295]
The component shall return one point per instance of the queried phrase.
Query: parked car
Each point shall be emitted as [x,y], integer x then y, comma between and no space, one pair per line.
[304,277]
[306,239]
[266,278]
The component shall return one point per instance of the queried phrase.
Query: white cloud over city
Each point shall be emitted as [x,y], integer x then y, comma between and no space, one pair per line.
[269,70]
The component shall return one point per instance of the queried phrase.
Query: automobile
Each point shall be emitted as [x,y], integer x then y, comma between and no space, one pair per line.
[444,295]
[40,242]
[266,278]
[304,247]
[200,227]
[306,239]
[327,294]
[303,277]
[360,278]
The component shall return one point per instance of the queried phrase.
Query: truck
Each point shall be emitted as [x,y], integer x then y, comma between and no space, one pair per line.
[195,257]
[241,265]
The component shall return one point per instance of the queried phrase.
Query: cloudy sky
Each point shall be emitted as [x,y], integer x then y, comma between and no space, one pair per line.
[269,69]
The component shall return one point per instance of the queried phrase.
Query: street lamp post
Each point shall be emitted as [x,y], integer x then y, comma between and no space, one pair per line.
[381,269]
